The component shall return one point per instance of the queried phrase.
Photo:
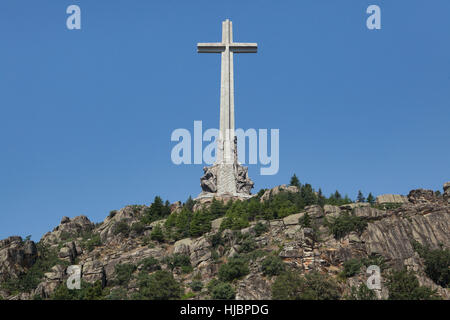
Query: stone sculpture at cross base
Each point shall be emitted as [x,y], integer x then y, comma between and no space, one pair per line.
[227,178]
[208,182]
[239,176]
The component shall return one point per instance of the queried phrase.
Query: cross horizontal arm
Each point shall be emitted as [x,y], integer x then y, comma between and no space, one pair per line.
[218,47]
[244,47]
[214,47]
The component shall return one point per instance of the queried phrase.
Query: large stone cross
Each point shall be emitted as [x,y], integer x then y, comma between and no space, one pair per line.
[225,143]
[226,176]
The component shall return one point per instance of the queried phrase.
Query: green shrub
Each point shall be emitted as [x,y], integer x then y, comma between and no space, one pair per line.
[157,234]
[196,285]
[223,291]
[216,239]
[236,217]
[95,292]
[124,273]
[179,260]
[112,213]
[351,267]
[361,293]
[159,285]
[272,265]
[375,259]
[88,291]
[248,245]
[121,227]
[65,236]
[215,256]
[138,227]
[403,285]
[188,295]
[118,294]
[235,268]
[312,286]
[437,263]
[255,254]
[344,224]
[260,228]
[90,243]
[150,264]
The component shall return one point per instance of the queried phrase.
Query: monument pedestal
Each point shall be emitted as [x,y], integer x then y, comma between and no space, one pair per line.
[226,180]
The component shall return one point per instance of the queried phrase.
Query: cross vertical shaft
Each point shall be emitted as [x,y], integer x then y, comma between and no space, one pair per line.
[226,135]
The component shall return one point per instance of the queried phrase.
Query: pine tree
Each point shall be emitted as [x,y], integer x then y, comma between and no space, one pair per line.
[370,198]
[217,209]
[200,223]
[320,198]
[295,182]
[156,211]
[157,234]
[337,196]
[190,204]
[308,195]
[361,197]
[346,200]
[183,222]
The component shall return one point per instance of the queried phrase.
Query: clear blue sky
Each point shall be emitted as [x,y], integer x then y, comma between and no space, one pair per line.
[86,116]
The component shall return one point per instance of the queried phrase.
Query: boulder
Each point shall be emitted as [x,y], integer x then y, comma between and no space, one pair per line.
[234,250]
[291,251]
[391,237]
[351,206]
[129,214]
[446,194]
[158,222]
[56,273]
[253,287]
[207,270]
[215,224]
[69,252]
[200,251]
[391,198]
[278,189]
[16,256]
[292,219]
[94,271]
[314,211]
[293,232]
[183,246]
[68,228]
[332,211]
[65,220]
[369,213]
[420,196]
[176,207]
[46,288]
[354,237]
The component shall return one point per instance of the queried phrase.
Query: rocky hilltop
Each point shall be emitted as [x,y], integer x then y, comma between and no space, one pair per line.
[262,248]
